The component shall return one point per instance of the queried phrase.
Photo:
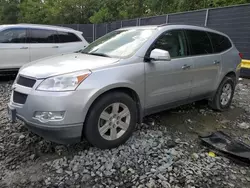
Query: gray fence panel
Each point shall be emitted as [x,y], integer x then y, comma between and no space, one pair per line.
[87,31]
[128,23]
[114,25]
[235,22]
[193,18]
[100,30]
[157,20]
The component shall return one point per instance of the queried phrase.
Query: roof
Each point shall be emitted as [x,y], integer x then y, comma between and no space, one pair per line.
[174,26]
[194,27]
[40,26]
[140,27]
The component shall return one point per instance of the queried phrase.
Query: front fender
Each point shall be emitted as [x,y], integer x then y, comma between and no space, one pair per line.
[97,93]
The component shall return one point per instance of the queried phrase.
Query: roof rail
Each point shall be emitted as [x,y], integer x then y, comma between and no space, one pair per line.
[44,25]
[166,24]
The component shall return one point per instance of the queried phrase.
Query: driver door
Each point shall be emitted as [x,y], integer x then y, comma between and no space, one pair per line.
[169,81]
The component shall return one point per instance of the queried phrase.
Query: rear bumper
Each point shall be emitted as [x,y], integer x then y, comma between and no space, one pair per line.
[63,134]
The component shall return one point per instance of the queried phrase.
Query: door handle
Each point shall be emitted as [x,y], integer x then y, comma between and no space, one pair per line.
[216,62]
[55,47]
[184,67]
[24,47]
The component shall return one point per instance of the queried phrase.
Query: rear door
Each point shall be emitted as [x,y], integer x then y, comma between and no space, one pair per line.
[206,63]
[69,42]
[42,43]
[229,58]
[14,51]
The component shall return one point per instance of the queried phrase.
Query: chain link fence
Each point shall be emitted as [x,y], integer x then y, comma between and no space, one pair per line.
[233,20]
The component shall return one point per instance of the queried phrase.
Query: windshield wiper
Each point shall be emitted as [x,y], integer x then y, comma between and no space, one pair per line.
[79,51]
[99,54]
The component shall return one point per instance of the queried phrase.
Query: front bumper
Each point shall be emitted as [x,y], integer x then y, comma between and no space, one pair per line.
[66,134]
[62,134]
[64,131]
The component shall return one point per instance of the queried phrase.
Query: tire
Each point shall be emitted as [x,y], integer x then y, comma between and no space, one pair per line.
[219,104]
[101,118]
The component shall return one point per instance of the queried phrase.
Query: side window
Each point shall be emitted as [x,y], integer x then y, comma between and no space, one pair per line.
[14,35]
[199,42]
[65,37]
[220,43]
[41,36]
[174,42]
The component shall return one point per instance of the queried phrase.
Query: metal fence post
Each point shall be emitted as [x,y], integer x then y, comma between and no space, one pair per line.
[106,28]
[78,27]
[166,18]
[139,21]
[93,32]
[121,24]
[206,19]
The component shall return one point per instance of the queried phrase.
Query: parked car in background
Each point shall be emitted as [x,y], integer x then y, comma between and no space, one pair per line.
[23,43]
[101,92]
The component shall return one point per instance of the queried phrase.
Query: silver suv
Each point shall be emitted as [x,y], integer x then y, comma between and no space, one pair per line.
[101,92]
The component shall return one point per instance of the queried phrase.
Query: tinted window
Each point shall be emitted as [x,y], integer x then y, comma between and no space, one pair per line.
[220,43]
[174,42]
[67,37]
[199,42]
[42,36]
[14,35]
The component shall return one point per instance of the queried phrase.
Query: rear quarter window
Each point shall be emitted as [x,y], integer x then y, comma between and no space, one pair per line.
[220,43]
[65,37]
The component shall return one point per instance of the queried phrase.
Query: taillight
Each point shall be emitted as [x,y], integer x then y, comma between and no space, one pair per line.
[241,55]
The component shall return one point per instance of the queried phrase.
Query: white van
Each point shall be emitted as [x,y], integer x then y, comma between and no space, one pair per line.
[23,43]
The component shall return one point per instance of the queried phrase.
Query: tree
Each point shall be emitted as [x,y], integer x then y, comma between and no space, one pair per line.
[220,3]
[32,11]
[69,11]
[9,11]
[109,11]
[96,11]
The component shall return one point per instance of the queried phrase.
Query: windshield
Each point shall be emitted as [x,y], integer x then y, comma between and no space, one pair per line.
[120,43]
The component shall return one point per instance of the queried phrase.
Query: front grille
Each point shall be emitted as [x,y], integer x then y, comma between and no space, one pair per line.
[27,82]
[19,98]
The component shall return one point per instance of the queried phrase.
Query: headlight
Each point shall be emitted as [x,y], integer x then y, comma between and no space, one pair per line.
[65,82]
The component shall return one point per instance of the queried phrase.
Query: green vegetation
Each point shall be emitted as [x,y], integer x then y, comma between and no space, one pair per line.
[96,11]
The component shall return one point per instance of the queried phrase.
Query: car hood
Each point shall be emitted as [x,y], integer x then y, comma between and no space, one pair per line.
[65,63]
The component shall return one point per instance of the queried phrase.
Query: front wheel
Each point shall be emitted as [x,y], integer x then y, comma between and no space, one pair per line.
[224,95]
[111,120]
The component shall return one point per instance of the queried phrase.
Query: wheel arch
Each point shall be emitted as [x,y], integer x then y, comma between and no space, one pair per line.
[214,100]
[125,89]
[231,74]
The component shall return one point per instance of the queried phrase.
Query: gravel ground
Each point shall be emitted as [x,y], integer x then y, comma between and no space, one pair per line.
[163,152]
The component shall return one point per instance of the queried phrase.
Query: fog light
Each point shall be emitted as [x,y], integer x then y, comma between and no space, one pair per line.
[49,116]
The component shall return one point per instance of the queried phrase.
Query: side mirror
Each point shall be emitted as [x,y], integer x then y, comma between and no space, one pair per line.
[160,55]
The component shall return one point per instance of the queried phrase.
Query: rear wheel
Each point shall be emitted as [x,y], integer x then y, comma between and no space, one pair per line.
[224,95]
[111,120]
